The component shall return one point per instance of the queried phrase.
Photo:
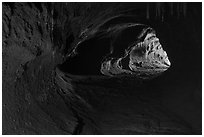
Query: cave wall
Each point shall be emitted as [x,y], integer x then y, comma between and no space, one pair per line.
[36,37]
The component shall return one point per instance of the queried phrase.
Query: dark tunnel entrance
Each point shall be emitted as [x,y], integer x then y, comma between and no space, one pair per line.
[91,52]
[88,59]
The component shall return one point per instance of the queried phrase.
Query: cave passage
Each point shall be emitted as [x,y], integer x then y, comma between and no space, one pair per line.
[88,59]
[38,98]
[91,52]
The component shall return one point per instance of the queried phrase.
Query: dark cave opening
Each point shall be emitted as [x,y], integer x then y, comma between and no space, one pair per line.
[88,57]
[91,52]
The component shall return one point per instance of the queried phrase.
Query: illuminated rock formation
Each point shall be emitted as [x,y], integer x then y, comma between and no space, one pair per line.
[146,55]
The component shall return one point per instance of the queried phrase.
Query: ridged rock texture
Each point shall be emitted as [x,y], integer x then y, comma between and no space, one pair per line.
[50,86]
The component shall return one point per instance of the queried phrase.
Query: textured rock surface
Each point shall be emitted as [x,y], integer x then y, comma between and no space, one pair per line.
[144,55]
[40,98]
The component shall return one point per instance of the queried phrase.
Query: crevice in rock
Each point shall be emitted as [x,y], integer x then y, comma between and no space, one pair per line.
[79,127]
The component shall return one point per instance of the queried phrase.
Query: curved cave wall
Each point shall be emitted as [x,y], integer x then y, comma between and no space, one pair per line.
[48,90]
